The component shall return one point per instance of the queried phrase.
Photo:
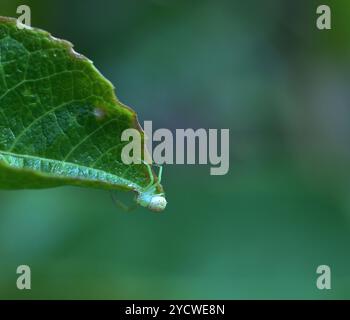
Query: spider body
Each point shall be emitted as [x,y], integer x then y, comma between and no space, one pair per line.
[148,197]
[152,201]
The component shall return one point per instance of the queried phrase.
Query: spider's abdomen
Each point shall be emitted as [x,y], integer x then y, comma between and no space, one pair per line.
[157,203]
[154,202]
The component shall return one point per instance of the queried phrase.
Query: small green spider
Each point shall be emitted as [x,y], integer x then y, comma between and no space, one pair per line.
[148,197]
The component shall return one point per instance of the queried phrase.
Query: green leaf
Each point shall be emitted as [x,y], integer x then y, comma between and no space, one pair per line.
[60,121]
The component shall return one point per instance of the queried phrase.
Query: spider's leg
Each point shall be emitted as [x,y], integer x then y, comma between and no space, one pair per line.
[150,173]
[121,205]
[160,174]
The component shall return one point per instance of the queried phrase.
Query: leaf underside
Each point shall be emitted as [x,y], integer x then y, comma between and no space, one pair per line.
[60,121]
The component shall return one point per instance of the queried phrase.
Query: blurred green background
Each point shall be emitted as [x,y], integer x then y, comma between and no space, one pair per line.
[260,68]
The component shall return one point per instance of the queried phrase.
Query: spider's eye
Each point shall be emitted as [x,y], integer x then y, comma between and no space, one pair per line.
[157,203]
